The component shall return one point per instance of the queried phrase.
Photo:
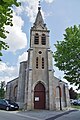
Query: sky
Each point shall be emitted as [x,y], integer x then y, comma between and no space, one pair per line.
[57,14]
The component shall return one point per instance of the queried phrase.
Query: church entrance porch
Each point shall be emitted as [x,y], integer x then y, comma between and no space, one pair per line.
[39,96]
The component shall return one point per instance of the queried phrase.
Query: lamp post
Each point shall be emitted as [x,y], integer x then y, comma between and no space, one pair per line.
[60,95]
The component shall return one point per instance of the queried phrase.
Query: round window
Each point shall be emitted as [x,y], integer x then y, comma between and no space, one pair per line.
[40,52]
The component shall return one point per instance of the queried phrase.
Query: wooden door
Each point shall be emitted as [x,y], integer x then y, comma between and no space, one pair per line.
[39,96]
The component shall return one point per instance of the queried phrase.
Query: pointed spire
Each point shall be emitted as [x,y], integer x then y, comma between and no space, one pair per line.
[39,18]
[39,22]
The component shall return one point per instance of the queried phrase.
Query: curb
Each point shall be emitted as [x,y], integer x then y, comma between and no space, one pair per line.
[61,114]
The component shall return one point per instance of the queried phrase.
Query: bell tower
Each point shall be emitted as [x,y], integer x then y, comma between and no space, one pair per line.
[39,34]
[39,91]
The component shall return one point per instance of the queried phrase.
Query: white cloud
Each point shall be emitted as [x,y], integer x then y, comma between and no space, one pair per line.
[19,10]
[30,7]
[6,79]
[7,73]
[16,38]
[23,57]
[21,0]
[7,70]
[35,0]
[49,1]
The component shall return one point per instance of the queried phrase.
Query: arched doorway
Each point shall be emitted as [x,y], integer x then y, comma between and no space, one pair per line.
[39,96]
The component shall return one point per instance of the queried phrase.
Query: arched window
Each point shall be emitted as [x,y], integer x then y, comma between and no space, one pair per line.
[36,39]
[42,63]
[43,39]
[37,62]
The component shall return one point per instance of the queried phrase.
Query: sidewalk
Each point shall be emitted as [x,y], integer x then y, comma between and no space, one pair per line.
[44,114]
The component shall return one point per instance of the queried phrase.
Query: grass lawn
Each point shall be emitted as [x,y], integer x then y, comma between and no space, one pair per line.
[75,106]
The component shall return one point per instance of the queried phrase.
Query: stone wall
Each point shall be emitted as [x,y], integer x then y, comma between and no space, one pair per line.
[11,89]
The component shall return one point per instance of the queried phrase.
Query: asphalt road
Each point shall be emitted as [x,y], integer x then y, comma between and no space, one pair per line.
[7,115]
[69,115]
[39,115]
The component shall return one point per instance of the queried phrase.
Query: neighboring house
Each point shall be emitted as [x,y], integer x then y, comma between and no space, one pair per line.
[37,87]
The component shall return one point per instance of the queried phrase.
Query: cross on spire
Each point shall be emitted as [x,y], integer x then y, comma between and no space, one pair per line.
[39,5]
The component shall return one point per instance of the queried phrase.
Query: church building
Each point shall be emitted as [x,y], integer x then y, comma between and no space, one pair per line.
[37,87]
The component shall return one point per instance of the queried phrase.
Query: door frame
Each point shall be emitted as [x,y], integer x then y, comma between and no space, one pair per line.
[42,92]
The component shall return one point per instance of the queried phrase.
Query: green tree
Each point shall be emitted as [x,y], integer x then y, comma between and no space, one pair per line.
[5,19]
[2,91]
[72,93]
[67,55]
[78,96]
